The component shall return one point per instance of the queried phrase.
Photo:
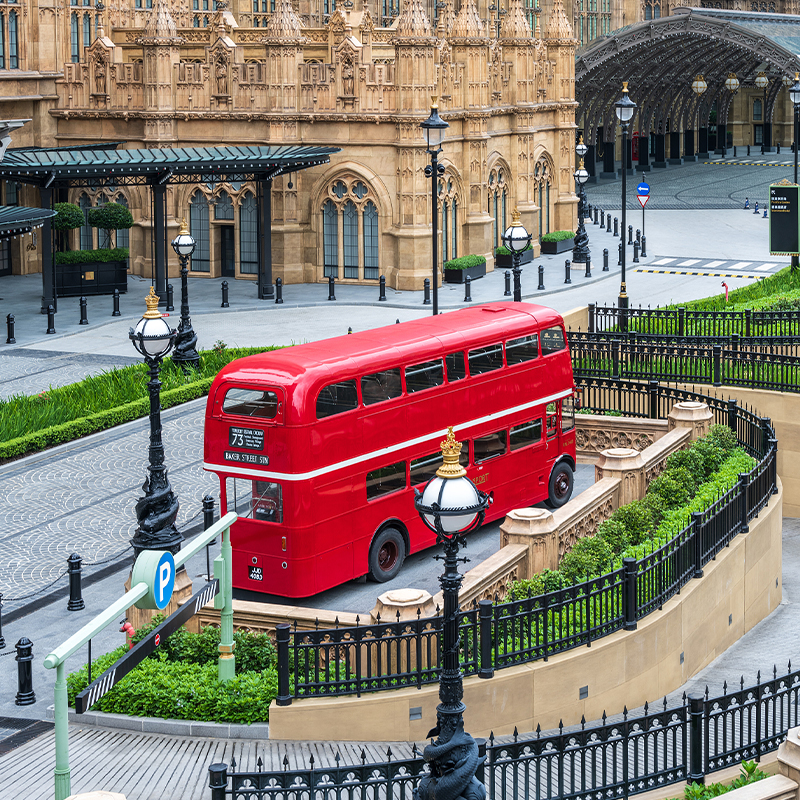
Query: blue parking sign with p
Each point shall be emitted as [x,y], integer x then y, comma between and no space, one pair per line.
[156,569]
[165,580]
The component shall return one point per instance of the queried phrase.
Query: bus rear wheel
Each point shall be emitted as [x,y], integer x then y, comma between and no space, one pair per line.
[560,487]
[386,555]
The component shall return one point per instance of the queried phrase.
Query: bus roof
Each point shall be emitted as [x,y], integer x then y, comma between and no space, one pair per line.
[498,320]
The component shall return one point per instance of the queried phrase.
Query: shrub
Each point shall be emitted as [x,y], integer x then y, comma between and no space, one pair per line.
[504,251]
[614,533]
[589,556]
[723,437]
[557,236]
[465,262]
[100,256]
[690,460]
[637,521]
[68,217]
[111,217]
[674,492]
[750,773]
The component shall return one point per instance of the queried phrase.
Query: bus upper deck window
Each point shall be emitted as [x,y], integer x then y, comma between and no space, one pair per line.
[251,403]
[456,367]
[381,386]
[485,359]
[337,398]
[525,348]
[552,341]
[424,376]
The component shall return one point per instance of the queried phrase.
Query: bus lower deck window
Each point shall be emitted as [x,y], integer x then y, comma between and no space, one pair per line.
[491,446]
[485,359]
[381,386]
[456,367]
[424,376]
[261,500]
[337,398]
[524,349]
[552,341]
[525,434]
[423,469]
[387,479]
[567,414]
[251,403]
[551,414]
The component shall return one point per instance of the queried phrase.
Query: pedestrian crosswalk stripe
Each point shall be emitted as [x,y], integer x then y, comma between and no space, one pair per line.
[700,274]
[740,265]
[690,263]
[713,264]
[665,261]
[765,267]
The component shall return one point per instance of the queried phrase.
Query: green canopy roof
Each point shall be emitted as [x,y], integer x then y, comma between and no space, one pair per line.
[15,220]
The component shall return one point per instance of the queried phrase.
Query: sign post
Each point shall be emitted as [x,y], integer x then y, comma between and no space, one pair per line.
[643,195]
[784,219]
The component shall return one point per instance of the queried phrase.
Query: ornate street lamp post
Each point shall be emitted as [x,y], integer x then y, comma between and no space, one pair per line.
[699,87]
[434,128]
[794,93]
[580,252]
[451,506]
[762,82]
[157,510]
[186,340]
[516,239]
[624,108]
[732,85]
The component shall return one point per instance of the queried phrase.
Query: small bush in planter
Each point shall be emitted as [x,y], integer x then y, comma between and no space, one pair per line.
[504,251]
[465,262]
[101,256]
[558,236]
[68,217]
[110,217]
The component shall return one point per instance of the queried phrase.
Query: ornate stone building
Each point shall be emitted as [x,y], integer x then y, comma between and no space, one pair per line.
[359,76]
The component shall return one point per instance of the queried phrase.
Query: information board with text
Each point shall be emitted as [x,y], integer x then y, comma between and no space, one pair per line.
[784,219]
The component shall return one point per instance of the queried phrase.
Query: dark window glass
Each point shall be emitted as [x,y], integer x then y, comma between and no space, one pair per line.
[456,367]
[525,348]
[251,403]
[485,359]
[381,386]
[552,417]
[267,503]
[424,376]
[423,469]
[491,446]
[386,479]
[567,414]
[552,341]
[336,399]
[248,235]
[525,434]
[223,207]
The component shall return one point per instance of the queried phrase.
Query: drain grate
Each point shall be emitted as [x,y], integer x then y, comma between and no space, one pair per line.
[23,731]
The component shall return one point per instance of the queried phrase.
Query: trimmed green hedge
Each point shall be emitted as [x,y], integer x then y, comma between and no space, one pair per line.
[464,262]
[504,251]
[100,256]
[557,236]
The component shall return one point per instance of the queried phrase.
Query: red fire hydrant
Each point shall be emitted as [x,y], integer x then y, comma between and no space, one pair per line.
[129,631]
[726,290]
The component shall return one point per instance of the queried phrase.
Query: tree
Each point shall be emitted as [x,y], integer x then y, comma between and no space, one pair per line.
[68,216]
[110,217]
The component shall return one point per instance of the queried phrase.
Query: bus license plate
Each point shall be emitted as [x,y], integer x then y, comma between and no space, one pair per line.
[255,573]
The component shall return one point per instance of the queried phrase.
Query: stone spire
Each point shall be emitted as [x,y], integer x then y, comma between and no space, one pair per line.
[284,26]
[468,24]
[558,26]
[515,26]
[413,21]
[446,20]
[160,27]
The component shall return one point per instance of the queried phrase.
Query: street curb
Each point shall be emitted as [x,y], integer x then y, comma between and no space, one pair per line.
[169,727]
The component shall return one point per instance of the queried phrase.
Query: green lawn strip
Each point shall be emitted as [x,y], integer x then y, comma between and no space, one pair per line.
[61,414]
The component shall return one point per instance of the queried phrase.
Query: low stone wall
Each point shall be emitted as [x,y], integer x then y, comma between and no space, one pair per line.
[597,432]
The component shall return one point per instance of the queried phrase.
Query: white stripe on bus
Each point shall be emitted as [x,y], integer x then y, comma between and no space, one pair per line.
[301,476]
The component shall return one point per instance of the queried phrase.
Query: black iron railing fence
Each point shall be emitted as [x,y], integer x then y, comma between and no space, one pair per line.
[630,357]
[405,653]
[669,322]
[609,758]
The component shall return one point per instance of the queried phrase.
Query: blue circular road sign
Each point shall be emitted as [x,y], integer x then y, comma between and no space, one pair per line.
[643,188]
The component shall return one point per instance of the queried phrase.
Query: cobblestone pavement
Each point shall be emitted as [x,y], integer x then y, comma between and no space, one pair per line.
[80,497]
[699,185]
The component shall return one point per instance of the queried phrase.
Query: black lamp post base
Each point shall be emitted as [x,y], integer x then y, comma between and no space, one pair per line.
[156,513]
[185,351]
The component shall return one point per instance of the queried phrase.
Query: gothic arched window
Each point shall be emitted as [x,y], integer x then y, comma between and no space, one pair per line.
[223,208]
[198,225]
[542,179]
[86,239]
[248,235]
[123,234]
[498,200]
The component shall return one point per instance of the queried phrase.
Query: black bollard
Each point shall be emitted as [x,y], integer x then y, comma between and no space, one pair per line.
[602,218]
[567,266]
[639,237]
[51,319]
[278,291]
[630,234]
[24,659]
[115,312]
[608,224]
[644,247]
[170,297]
[588,273]
[2,638]
[596,215]
[84,318]
[467,288]
[605,259]
[540,287]
[349,331]
[74,571]
[616,227]
[636,252]
[619,259]
[208,521]
[748,149]
[778,148]
[382,289]
[331,281]
[426,292]
[507,292]
[10,325]
[734,151]
[225,303]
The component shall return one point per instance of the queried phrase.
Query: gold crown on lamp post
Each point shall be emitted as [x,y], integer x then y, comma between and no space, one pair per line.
[151,300]
[451,450]
[184,231]
[515,220]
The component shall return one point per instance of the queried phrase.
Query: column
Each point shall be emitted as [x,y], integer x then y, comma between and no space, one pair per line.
[264,236]
[629,157]
[644,155]
[688,146]
[660,159]
[767,133]
[722,136]
[48,265]
[609,159]
[590,164]
[702,143]
[160,239]
[675,148]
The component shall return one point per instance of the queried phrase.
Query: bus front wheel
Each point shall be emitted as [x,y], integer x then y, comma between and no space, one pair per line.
[561,483]
[386,555]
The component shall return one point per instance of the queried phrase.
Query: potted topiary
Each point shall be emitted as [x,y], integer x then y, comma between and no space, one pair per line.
[503,259]
[457,269]
[557,242]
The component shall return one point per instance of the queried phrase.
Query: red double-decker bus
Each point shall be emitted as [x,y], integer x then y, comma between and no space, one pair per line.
[319,446]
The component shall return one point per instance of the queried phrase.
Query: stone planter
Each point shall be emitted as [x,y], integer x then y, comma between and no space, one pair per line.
[506,261]
[554,248]
[74,280]
[458,275]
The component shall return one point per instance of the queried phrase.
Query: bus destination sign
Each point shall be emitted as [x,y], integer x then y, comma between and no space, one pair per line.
[784,219]
[246,438]
[247,458]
